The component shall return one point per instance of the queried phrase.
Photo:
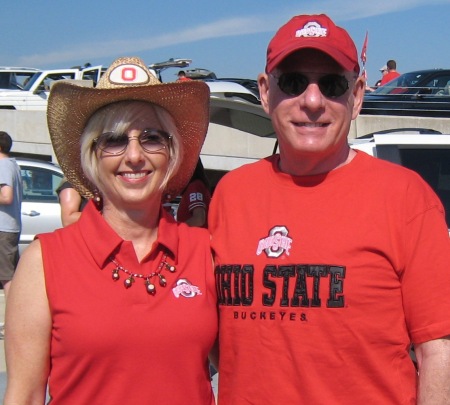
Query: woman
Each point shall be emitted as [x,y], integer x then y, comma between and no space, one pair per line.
[71,202]
[195,199]
[118,308]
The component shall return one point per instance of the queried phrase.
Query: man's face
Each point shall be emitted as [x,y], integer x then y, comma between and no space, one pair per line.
[311,125]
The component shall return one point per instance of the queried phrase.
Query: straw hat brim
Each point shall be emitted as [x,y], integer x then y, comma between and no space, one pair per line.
[70,106]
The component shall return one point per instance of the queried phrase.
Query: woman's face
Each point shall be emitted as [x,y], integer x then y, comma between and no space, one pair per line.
[133,178]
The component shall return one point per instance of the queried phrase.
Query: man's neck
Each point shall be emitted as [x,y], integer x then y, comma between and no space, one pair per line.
[307,166]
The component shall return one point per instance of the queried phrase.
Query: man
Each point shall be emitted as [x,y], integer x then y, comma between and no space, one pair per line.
[329,263]
[384,71]
[182,77]
[10,206]
[391,72]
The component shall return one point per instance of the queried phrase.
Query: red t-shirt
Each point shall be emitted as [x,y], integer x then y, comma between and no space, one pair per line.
[388,77]
[324,281]
[112,345]
[195,196]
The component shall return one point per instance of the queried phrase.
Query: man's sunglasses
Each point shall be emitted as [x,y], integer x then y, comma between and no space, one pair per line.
[294,84]
[151,140]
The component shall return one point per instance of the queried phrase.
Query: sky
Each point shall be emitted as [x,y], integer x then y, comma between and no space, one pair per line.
[228,37]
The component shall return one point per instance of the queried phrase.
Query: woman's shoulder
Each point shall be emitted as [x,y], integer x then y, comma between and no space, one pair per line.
[186,231]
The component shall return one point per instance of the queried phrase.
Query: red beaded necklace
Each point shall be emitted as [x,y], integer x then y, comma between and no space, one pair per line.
[149,285]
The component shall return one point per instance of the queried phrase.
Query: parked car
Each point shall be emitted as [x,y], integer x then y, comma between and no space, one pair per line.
[231,90]
[15,78]
[40,206]
[34,93]
[426,153]
[424,93]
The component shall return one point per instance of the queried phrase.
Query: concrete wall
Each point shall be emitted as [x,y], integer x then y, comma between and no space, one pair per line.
[28,129]
[366,124]
[225,148]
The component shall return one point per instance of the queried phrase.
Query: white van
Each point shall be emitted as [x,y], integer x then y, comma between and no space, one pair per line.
[425,151]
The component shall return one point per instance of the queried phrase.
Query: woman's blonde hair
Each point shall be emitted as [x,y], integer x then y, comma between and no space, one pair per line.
[119,117]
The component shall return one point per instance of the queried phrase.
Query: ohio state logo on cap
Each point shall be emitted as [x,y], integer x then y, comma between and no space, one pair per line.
[314,32]
[311,29]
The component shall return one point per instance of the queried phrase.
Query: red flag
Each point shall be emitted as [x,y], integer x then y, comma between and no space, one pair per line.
[364,49]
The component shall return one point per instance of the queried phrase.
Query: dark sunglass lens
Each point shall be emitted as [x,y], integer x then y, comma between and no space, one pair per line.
[112,143]
[333,85]
[153,140]
[293,84]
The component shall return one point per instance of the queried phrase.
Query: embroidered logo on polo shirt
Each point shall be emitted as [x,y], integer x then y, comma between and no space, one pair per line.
[186,289]
[311,29]
[276,243]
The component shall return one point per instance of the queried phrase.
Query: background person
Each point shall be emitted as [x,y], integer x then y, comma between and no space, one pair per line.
[391,72]
[384,71]
[182,77]
[195,199]
[120,307]
[71,203]
[329,263]
[10,213]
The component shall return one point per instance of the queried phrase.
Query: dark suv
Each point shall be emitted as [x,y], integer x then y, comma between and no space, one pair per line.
[424,93]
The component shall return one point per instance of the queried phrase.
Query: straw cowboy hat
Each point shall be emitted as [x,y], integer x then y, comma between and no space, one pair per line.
[70,106]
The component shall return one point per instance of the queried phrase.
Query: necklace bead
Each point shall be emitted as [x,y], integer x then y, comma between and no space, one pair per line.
[128,282]
[149,285]
[151,289]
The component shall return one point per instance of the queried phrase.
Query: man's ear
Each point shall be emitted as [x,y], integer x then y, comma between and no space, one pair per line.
[359,89]
[263,85]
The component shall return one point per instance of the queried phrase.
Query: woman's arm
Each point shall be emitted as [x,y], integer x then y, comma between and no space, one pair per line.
[198,217]
[214,355]
[70,201]
[27,332]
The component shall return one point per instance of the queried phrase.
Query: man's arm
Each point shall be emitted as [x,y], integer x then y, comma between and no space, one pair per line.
[433,358]
[6,194]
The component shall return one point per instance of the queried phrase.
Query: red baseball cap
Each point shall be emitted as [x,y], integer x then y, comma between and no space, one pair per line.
[313,31]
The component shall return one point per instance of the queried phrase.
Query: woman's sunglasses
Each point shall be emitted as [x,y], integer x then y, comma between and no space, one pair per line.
[294,84]
[151,140]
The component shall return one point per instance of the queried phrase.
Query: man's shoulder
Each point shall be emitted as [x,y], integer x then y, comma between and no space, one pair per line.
[379,170]
[9,162]
[249,170]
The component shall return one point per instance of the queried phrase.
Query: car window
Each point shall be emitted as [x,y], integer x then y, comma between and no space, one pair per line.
[434,166]
[406,83]
[14,80]
[39,184]
[49,79]
[440,85]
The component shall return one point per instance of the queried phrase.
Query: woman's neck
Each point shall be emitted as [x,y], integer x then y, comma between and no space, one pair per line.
[137,226]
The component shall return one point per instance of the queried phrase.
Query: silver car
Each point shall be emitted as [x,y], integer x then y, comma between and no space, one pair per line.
[40,207]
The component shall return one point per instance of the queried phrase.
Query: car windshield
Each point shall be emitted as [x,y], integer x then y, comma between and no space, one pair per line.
[31,81]
[14,80]
[433,83]
[406,83]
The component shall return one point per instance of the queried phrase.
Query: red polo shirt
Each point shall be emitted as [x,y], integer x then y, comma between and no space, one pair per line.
[116,345]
